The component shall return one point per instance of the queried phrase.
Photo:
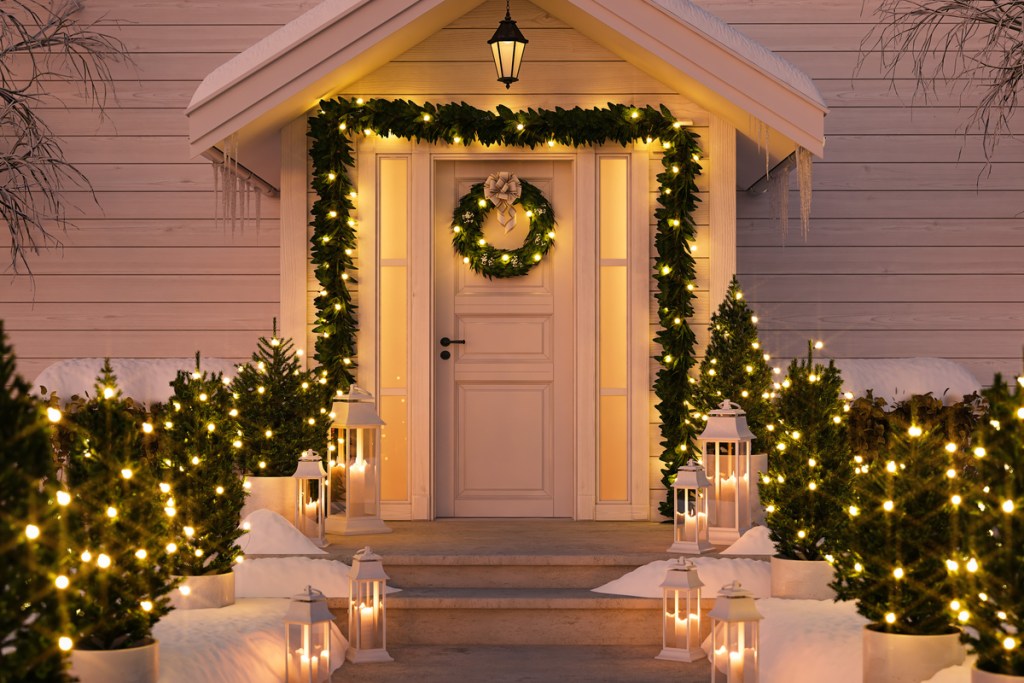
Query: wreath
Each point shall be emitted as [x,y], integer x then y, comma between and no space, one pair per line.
[504,191]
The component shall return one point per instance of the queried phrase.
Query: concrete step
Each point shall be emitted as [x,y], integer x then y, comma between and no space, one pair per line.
[516,616]
[515,571]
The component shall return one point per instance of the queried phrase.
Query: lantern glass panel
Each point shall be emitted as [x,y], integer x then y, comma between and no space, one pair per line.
[692,518]
[361,472]
[308,653]
[366,616]
[735,652]
[682,619]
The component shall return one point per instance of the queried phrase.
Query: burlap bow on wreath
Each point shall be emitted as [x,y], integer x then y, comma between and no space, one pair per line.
[502,189]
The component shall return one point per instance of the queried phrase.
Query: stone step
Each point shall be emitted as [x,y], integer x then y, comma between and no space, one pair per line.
[517,571]
[516,616]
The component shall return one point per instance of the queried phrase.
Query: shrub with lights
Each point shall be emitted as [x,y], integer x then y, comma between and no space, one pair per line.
[282,409]
[994,594]
[807,491]
[735,367]
[117,520]
[904,549]
[200,439]
[33,569]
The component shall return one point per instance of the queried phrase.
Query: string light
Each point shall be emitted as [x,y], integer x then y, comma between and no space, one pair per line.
[65,643]
[63,498]
[103,561]
[62,582]
[53,414]
[890,618]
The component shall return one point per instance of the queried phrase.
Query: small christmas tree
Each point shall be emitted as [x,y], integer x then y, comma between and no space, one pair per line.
[909,462]
[807,491]
[32,572]
[200,439]
[117,521]
[993,593]
[282,409]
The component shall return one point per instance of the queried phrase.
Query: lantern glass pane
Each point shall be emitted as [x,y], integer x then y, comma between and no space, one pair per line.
[710,448]
[496,56]
[517,58]
[506,50]
[366,616]
[362,473]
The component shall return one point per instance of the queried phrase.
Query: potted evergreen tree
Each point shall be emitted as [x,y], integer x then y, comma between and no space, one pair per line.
[33,569]
[902,551]
[993,584]
[807,491]
[117,525]
[282,412]
[735,368]
[199,441]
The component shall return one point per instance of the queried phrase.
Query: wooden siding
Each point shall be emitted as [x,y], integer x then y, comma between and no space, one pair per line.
[913,250]
[146,272]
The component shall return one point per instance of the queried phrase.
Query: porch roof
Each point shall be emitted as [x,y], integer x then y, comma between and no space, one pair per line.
[339,41]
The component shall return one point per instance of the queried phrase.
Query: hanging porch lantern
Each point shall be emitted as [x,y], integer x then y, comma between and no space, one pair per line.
[734,635]
[507,47]
[367,613]
[307,629]
[726,444]
[681,632]
[311,496]
[357,427]
[690,501]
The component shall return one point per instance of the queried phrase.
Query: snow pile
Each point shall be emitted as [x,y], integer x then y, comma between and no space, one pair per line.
[146,381]
[898,379]
[810,640]
[755,542]
[268,533]
[242,643]
[283,577]
[956,674]
[645,581]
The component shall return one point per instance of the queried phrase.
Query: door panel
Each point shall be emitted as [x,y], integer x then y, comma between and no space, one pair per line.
[504,404]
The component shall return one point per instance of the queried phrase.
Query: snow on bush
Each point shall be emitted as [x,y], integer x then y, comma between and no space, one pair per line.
[898,379]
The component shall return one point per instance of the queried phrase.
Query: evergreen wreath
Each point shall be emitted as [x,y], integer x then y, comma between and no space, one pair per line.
[491,262]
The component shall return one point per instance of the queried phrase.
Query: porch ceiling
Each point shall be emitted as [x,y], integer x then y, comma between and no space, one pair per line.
[338,42]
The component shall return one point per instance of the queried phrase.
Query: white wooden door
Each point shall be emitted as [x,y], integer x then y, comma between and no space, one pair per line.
[504,404]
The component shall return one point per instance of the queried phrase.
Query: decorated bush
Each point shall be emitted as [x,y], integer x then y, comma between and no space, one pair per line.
[903,551]
[200,438]
[992,564]
[807,491]
[117,521]
[282,409]
[33,571]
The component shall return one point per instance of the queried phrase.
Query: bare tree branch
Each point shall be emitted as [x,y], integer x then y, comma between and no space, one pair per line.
[42,44]
[960,45]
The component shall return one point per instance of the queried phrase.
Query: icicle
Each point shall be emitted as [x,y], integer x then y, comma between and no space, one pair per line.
[778,198]
[803,178]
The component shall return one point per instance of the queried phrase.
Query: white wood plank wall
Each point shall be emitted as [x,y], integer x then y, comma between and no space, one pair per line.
[911,252]
[147,273]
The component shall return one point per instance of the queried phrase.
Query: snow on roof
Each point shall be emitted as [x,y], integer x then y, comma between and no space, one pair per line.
[754,53]
[280,41]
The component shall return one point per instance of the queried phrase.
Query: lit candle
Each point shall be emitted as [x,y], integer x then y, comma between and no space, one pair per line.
[749,665]
[726,504]
[356,494]
[736,667]
[367,630]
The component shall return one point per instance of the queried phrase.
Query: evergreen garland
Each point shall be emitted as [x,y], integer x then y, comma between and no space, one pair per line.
[334,224]
[199,440]
[905,524]
[468,240]
[993,594]
[735,367]
[282,409]
[117,524]
[807,491]
[32,614]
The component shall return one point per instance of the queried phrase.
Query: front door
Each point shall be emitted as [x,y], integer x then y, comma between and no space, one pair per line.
[504,406]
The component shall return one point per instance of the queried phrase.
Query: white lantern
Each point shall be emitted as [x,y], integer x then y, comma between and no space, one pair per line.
[367,613]
[311,496]
[681,632]
[690,518]
[726,444]
[734,629]
[307,626]
[356,431]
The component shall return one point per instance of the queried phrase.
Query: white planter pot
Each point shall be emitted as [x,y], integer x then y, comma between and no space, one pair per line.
[271,493]
[898,658]
[204,592]
[979,676]
[801,579]
[131,665]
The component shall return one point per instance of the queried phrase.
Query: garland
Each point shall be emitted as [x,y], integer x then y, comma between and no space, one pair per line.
[334,224]
[491,262]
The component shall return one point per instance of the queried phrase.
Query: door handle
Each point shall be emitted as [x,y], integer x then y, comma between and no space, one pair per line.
[445,341]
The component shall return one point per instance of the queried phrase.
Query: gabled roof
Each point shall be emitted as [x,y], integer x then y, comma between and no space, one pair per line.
[340,41]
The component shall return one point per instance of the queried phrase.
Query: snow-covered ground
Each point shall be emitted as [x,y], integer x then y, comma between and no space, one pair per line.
[802,641]
[268,533]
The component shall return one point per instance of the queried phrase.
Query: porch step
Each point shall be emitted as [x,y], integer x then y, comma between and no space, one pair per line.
[517,616]
[516,571]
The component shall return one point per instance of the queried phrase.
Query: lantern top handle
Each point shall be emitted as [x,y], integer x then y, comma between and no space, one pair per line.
[367,555]
[735,590]
[310,594]
[727,406]
[357,393]
[309,456]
